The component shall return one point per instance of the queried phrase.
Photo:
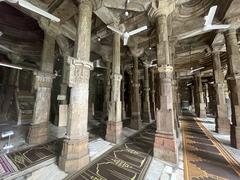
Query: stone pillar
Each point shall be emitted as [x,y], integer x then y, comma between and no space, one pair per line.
[74,154]
[165,146]
[114,124]
[65,76]
[233,78]
[152,102]
[192,98]
[175,104]
[206,96]
[107,90]
[38,131]
[123,92]
[222,122]
[66,49]
[200,106]
[146,103]
[136,122]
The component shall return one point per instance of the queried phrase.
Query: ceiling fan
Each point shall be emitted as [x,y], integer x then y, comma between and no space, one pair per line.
[31,7]
[194,70]
[149,64]
[208,26]
[125,35]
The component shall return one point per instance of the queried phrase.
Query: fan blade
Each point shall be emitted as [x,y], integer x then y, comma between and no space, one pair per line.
[194,70]
[35,9]
[125,40]
[115,30]
[192,34]
[210,16]
[221,26]
[1,33]
[137,30]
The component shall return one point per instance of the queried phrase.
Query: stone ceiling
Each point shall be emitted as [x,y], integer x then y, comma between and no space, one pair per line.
[22,39]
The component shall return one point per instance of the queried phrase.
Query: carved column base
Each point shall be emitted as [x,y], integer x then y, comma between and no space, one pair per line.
[235,134]
[223,126]
[74,155]
[38,133]
[114,132]
[202,112]
[136,122]
[222,121]
[165,147]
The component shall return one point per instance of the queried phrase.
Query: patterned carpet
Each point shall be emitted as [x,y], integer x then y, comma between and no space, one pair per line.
[26,158]
[204,156]
[128,161]
[6,167]
[31,156]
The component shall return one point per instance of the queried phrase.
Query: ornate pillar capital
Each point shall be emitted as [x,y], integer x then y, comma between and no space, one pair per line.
[95,4]
[79,71]
[234,22]
[50,27]
[216,48]
[116,77]
[165,68]
[161,8]
[136,52]
[43,79]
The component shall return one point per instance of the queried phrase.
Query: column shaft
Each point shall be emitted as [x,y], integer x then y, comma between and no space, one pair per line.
[136,122]
[165,146]
[233,79]
[193,99]
[152,102]
[38,132]
[114,125]
[200,106]
[74,154]
[146,103]
[222,122]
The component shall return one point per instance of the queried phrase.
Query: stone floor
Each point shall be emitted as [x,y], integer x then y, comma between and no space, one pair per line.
[209,123]
[160,170]
[97,147]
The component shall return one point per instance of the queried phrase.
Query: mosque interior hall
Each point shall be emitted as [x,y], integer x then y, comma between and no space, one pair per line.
[120,89]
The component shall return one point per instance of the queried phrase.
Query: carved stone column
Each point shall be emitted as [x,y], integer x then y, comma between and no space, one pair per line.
[123,90]
[38,132]
[74,154]
[222,122]
[192,98]
[200,106]
[146,103]
[114,124]
[136,122]
[152,102]
[165,146]
[206,96]
[107,90]
[233,78]
[66,49]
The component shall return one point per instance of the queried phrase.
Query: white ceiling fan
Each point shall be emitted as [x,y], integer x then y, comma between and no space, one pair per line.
[208,26]
[31,7]
[149,64]
[194,70]
[126,35]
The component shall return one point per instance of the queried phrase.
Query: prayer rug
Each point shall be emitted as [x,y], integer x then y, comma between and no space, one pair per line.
[29,157]
[204,157]
[6,167]
[127,161]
